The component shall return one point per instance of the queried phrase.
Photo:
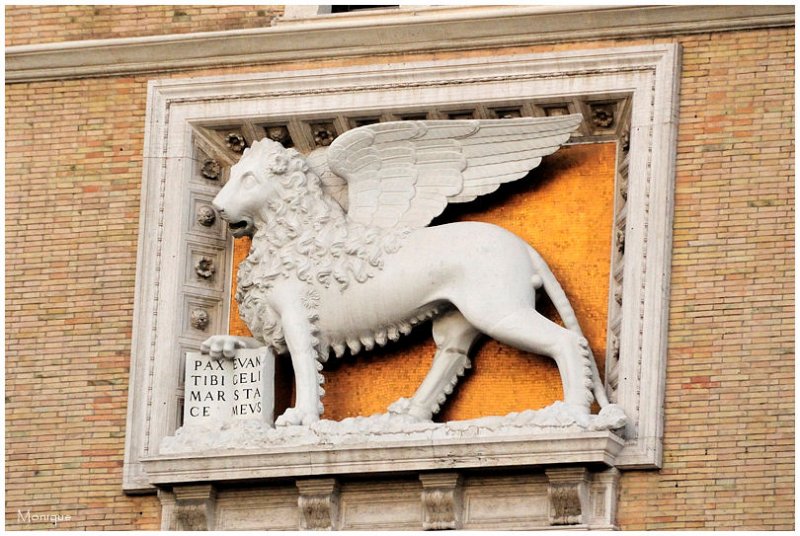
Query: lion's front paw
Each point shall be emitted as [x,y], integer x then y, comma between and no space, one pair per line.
[219,346]
[296,417]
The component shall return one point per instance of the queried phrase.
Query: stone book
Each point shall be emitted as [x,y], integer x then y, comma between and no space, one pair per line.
[221,390]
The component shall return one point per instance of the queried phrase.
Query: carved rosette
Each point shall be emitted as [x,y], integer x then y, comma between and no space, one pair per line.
[324,134]
[211,169]
[206,216]
[602,115]
[199,319]
[441,501]
[280,133]
[235,142]
[318,503]
[205,268]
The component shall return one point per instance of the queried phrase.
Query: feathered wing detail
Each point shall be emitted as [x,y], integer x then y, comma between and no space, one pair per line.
[332,184]
[405,173]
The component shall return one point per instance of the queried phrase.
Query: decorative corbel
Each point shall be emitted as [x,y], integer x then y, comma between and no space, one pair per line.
[318,503]
[441,501]
[605,493]
[194,507]
[568,492]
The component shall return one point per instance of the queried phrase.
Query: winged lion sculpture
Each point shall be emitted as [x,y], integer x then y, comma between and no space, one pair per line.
[342,256]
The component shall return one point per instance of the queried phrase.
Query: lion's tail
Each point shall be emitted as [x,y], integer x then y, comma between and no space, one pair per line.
[545,278]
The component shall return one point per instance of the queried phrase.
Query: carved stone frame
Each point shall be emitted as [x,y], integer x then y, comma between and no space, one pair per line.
[649,75]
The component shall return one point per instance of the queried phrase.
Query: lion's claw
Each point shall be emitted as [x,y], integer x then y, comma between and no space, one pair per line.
[219,346]
[296,417]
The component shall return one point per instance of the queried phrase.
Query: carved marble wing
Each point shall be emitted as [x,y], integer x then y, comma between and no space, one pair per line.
[405,173]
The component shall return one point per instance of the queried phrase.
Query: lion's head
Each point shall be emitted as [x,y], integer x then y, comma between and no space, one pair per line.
[297,229]
[254,183]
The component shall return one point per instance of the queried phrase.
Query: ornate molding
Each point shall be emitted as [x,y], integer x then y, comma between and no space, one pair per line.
[204,267]
[568,492]
[193,507]
[442,501]
[318,503]
[206,216]
[211,169]
[199,319]
[235,142]
[401,31]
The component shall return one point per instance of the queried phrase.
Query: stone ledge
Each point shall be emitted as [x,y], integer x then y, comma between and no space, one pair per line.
[546,450]
[388,34]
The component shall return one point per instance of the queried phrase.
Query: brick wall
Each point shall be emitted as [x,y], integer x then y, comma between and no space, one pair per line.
[73,170]
[73,167]
[27,25]
[729,434]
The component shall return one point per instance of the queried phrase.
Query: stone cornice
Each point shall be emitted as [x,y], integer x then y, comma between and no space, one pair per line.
[419,30]
[548,449]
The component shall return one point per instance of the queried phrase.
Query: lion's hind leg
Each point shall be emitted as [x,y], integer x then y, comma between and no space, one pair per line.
[524,328]
[454,337]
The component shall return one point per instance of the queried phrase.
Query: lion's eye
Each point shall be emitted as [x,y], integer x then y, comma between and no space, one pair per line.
[249,180]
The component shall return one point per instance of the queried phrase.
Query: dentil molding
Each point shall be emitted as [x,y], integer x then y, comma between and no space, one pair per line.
[383,32]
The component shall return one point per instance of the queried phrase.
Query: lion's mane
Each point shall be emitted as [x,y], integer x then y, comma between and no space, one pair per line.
[308,237]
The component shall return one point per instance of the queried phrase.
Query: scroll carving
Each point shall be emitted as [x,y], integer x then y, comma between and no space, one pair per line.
[318,503]
[568,492]
[194,508]
[441,501]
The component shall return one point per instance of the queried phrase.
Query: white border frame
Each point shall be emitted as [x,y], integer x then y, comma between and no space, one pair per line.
[650,74]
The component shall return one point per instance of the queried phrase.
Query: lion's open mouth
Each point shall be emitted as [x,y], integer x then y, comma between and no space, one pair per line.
[240,228]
